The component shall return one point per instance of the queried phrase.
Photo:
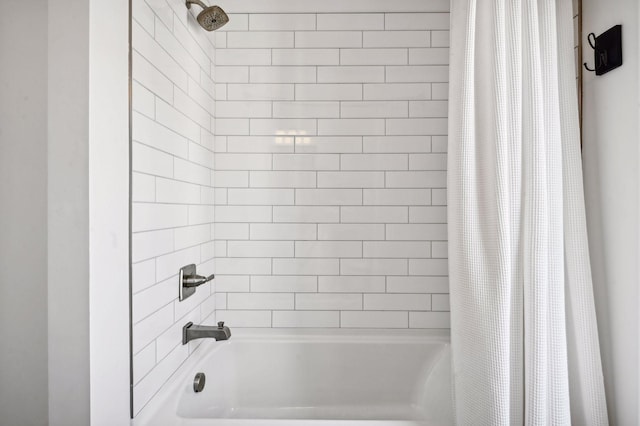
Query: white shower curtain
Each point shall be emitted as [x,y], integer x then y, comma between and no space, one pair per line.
[524,337]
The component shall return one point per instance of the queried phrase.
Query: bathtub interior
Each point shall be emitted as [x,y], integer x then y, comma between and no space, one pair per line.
[320,379]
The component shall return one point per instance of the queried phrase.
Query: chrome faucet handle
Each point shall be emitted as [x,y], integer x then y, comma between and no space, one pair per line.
[196,280]
[189,280]
[220,324]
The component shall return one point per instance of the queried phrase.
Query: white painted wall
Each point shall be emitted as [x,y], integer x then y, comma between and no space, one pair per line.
[109,212]
[88,212]
[23,213]
[610,152]
[68,218]
[49,131]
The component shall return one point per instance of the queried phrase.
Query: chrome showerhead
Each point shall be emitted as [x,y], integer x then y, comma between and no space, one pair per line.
[211,18]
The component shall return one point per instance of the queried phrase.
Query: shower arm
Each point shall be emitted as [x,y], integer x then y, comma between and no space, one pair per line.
[198,2]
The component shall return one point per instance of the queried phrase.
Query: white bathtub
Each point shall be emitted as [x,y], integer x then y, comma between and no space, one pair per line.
[274,377]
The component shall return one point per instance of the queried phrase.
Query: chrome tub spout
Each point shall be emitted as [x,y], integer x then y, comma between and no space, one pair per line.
[191,331]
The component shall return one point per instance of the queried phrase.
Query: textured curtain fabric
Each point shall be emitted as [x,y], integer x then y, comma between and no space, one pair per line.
[524,337]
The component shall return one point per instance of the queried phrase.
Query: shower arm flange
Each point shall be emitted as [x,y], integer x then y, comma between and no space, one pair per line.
[198,2]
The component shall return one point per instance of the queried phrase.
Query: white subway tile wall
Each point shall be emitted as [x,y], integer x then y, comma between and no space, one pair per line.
[330,166]
[315,136]
[173,185]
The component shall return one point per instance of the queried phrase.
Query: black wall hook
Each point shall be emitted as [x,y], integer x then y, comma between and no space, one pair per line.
[607,50]
[591,38]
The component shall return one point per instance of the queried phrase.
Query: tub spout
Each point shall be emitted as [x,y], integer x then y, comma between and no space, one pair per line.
[191,332]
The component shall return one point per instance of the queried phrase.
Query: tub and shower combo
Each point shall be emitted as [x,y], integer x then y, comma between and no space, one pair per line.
[358,167]
[381,375]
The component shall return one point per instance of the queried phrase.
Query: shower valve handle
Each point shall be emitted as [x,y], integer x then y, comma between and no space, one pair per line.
[196,280]
[189,280]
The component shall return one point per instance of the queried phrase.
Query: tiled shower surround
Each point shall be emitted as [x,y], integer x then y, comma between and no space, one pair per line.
[319,202]
[172,212]
[330,166]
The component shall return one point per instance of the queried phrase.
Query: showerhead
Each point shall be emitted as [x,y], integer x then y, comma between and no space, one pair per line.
[211,18]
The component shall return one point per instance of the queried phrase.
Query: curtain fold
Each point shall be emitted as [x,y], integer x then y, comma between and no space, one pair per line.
[524,336]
